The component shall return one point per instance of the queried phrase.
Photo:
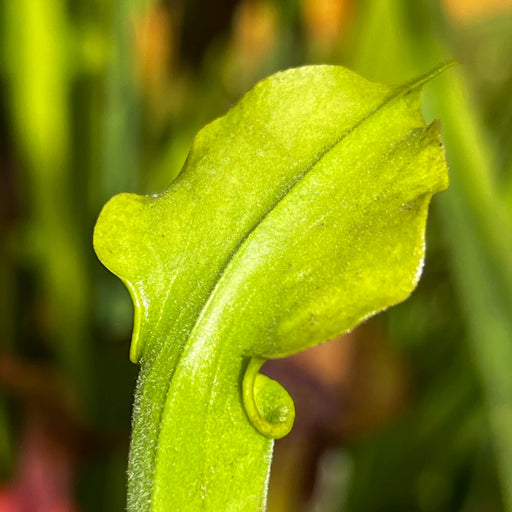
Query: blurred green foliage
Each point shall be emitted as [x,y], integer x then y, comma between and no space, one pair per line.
[101,97]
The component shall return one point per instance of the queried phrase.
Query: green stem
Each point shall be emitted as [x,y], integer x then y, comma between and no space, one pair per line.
[228,471]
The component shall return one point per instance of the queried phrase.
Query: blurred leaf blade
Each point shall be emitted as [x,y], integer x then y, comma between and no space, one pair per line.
[39,78]
[476,226]
[121,144]
[481,247]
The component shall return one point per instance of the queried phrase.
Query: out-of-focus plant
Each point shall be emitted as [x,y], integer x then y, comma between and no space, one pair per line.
[475,221]
[115,91]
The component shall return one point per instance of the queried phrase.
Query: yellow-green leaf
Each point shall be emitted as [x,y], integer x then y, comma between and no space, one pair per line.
[296,216]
